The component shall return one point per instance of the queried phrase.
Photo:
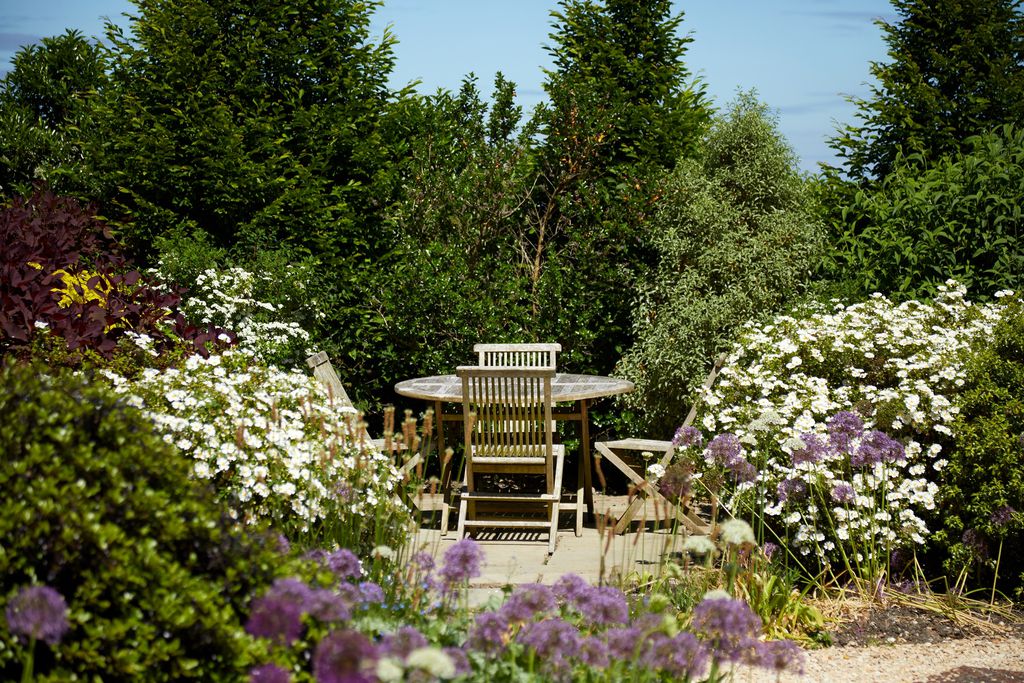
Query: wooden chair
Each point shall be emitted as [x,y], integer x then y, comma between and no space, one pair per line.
[517,355]
[507,418]
[320,363]
[618,452]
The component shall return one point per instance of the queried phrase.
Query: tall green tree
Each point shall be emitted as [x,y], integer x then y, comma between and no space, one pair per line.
[457,272]
[253,120]
[955,75]
[45,101]
[623,108]
[955,69]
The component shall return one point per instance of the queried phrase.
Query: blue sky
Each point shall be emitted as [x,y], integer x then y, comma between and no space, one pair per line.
[802,56]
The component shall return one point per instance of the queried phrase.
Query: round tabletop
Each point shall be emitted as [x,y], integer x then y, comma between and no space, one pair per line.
[564,387]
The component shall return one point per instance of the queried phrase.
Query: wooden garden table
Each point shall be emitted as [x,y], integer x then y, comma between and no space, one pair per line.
[580,390]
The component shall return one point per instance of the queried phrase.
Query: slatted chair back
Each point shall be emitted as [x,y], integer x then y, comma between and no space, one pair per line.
[517,355]
[507,417]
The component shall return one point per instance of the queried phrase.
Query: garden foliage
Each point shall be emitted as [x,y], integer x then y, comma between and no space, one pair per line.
[96,506]
[958,217]
[45,102]
[983,486]
[623,108]
[62,272]
[458,269]
[862,396]
[955,70]
[735,242]
[928,186]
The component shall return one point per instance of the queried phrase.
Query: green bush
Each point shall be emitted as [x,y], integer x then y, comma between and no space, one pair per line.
[736,241]
[94,504]
[959,217]
[986,470]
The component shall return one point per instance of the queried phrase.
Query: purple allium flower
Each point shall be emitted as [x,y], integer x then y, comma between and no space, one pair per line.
[843,492]
[779,655]
[424,561]
[460,660]
[275,618]
[344,657]
[329,606]
[403,641]
[552,639]
[1003,516]
[604,605]
[876,447]
[973,539]
[899,560]
[623,643]
[843,427]
[291,590]
[38,613]
[683,657]
[269,673]
[593,652]
[344,492]
[570,587]
[688,436]
[490,633]
[743,471]
[284,546]
[317,555]
[461,562]
[788,489]
[370,593]
[724,450]
[527,601]
[345,564]
[677,481]
[769,549]
[729,625]
[813,451]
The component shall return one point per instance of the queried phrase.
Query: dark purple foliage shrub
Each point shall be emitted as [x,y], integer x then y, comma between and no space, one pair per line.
[50,243]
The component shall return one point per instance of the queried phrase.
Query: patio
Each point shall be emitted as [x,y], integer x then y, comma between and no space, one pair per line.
[512,558]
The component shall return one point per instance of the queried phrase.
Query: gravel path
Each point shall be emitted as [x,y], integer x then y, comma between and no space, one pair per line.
[968,660]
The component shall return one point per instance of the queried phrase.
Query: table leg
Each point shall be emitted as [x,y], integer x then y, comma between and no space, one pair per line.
[446,473]
[588,488]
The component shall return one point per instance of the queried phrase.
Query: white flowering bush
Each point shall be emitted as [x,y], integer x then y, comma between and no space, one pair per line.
[837,420]
[270,441]
[234,298]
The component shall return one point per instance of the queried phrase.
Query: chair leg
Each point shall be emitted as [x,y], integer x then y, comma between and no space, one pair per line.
[579,510]
[553,532]
[444,517]
[463,506]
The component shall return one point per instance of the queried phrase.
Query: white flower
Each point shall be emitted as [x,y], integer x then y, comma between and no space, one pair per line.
[699,545]
[736,532]
[384,552]
[390,670]
[655,472]
[432,660]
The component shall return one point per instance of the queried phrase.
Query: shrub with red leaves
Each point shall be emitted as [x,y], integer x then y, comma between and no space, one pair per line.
[60,265]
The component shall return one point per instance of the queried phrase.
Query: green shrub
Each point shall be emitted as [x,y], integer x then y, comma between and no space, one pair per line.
[94,504]
[736,241]
[958,217]
[986,470]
